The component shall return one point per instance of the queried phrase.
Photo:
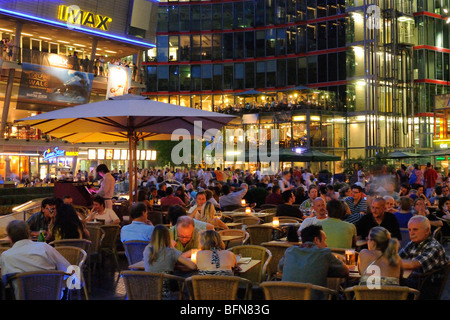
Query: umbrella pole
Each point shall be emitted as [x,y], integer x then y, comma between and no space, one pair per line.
[130,168]
[135,168]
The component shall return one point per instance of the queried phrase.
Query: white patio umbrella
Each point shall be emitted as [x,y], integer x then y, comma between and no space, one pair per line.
[127,118]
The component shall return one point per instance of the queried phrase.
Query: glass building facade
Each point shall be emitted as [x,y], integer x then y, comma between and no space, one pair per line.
[372,68]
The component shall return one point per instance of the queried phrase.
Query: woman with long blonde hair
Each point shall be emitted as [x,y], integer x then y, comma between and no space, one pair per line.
[161,256]
[381,260]
[208,215]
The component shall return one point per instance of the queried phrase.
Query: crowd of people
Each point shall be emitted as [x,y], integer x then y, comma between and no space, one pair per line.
[372,208]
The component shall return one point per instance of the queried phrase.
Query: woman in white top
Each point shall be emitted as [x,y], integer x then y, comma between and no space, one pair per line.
[208,214]
[99,212]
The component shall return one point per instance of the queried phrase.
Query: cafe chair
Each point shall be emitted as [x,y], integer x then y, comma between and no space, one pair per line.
[247,220]
[216,287]
[79,243]
[260,233]
[77,257]
[405,237]
[431,289]
[268,206]
[134,250]
[38,285]
[381,293]
[142,285]
[286,290]
[268,210]
[232,207]
[258,273]
[287,219]
[82,211]
[96,235]
[235,232]
[156,217]
[108,245]
[277,250]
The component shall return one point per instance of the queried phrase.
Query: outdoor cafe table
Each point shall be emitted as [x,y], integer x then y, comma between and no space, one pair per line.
[244,267]
[264,215]
[234,225]
[226,239]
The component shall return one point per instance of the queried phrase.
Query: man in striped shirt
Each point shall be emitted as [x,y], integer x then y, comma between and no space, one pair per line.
[357,204]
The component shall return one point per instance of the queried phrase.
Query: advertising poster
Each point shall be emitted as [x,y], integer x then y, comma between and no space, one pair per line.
[44,88]
[119,80]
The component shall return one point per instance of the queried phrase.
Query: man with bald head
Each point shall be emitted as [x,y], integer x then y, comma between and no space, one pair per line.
[378,217]
[423,254]
[318,214]
[185,235]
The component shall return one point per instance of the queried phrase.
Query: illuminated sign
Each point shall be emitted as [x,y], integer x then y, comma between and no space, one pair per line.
[75,16]
[71,153]
[48,154]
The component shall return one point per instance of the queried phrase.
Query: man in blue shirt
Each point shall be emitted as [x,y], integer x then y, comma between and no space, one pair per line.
[311,262]
[140,228]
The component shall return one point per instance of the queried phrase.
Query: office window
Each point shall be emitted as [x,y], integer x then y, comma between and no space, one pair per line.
[217,76]
[281,73]
[162,48]
[227,16]
[238,76]
[271,70]
[249,44]
[311,37]
[322,71]
[259,12]
[206,17]
[173,48]
[281,42]
[249,13]
[195,47]
[206,77]
[228,46]
[217,16]
[185,77]
[196,78]
[270,42]
[173,78]
[291,36]
[228,76]
[322,36]
[185,21]
[302,71]
[291,74]
[312,69]
[260,43]
[152,78]
[332,34]
[162,19]
[260,74]
[184,48]
[173,18]
[206,47]
[217,46]
[238,45]
[163,78]
[249,74]
[195,18]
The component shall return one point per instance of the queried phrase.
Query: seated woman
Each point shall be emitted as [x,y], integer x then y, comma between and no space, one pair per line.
[405,213]
[208,215]
[66,225]
[212,259]
[160,256]
[382,253]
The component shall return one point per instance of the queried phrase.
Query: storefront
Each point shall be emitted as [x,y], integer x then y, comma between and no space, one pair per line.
[16,166]
[57,163]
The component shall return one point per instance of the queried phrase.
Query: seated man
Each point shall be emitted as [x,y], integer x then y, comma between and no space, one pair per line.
[41,220]
[423,254]
[378,217]
[357,204]
[340,234]
[27,255]
[275,196]
[100,212]
[311,262]
[140,228]
[287,208]
[170,199]
[230,198]
[319,215]
[185,236]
